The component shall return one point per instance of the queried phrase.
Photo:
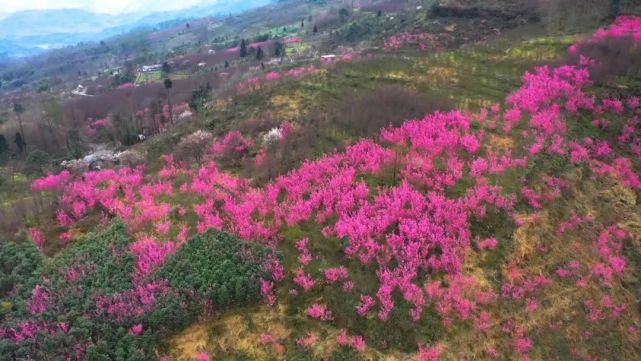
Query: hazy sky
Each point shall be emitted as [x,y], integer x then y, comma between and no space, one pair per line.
[104,6]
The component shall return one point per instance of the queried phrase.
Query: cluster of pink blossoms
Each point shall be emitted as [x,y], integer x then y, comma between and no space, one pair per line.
[37,237]
[126,86]
[406,231]
[308,340]
[272,76]
[256,83]
[430,353]
[319,312]
[624,26]
[39,299]
[232,143]
[303,280]
[136,329]
[267,290]
[333,275]
[202,356]
[356,342]
[301,71]
[27,330]
[254,45]
[51,182]
[420,39]
[132,303]
[176,109]
[150,254]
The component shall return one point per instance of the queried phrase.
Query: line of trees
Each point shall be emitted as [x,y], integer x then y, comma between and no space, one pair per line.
[564,14]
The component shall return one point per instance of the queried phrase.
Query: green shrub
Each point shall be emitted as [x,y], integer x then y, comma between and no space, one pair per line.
[20,267]
[218,267]
[213,266]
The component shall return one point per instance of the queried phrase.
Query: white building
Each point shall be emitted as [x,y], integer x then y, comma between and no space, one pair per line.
[150,68]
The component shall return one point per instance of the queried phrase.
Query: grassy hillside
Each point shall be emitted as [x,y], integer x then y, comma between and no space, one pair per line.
[459,183]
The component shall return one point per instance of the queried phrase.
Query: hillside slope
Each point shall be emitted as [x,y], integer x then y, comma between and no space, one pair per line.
[510,232]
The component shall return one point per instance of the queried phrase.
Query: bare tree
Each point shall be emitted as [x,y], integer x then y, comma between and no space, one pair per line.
[52,112]
[563,14]
[194,146]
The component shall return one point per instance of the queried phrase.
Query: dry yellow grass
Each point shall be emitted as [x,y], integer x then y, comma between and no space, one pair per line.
[498,144]
[538,249]
[289,106]
[236,331]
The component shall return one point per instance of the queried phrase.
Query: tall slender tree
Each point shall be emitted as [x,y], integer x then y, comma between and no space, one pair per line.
[20,143]
[168,85]
[4,148]
[279,49]
[19,110]
[615,8]
[344,14]
[53,114]
[74,144]
[243,48]
[260,54]
[166,68]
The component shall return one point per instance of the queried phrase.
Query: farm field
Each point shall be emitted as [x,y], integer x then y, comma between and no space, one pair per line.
[143,78]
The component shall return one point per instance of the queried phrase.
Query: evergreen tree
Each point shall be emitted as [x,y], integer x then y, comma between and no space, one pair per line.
[20,143]
[199,96]
[243,48]
[344,14]
[38,162]
[615,8]
[259,54]
[222,296]
[240,290]
[168,85]
[166,68]
[279,49]
[19,110]
[74,145]
[21,266]
[4,148]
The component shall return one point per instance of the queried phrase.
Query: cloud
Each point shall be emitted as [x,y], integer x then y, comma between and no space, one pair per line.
[102,6]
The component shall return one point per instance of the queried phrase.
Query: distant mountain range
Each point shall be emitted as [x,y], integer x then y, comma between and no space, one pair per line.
[31,32]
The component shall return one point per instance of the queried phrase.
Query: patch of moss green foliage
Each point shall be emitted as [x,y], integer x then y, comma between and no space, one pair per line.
[213,270]
[106,254]
[218,267]
[20,267]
